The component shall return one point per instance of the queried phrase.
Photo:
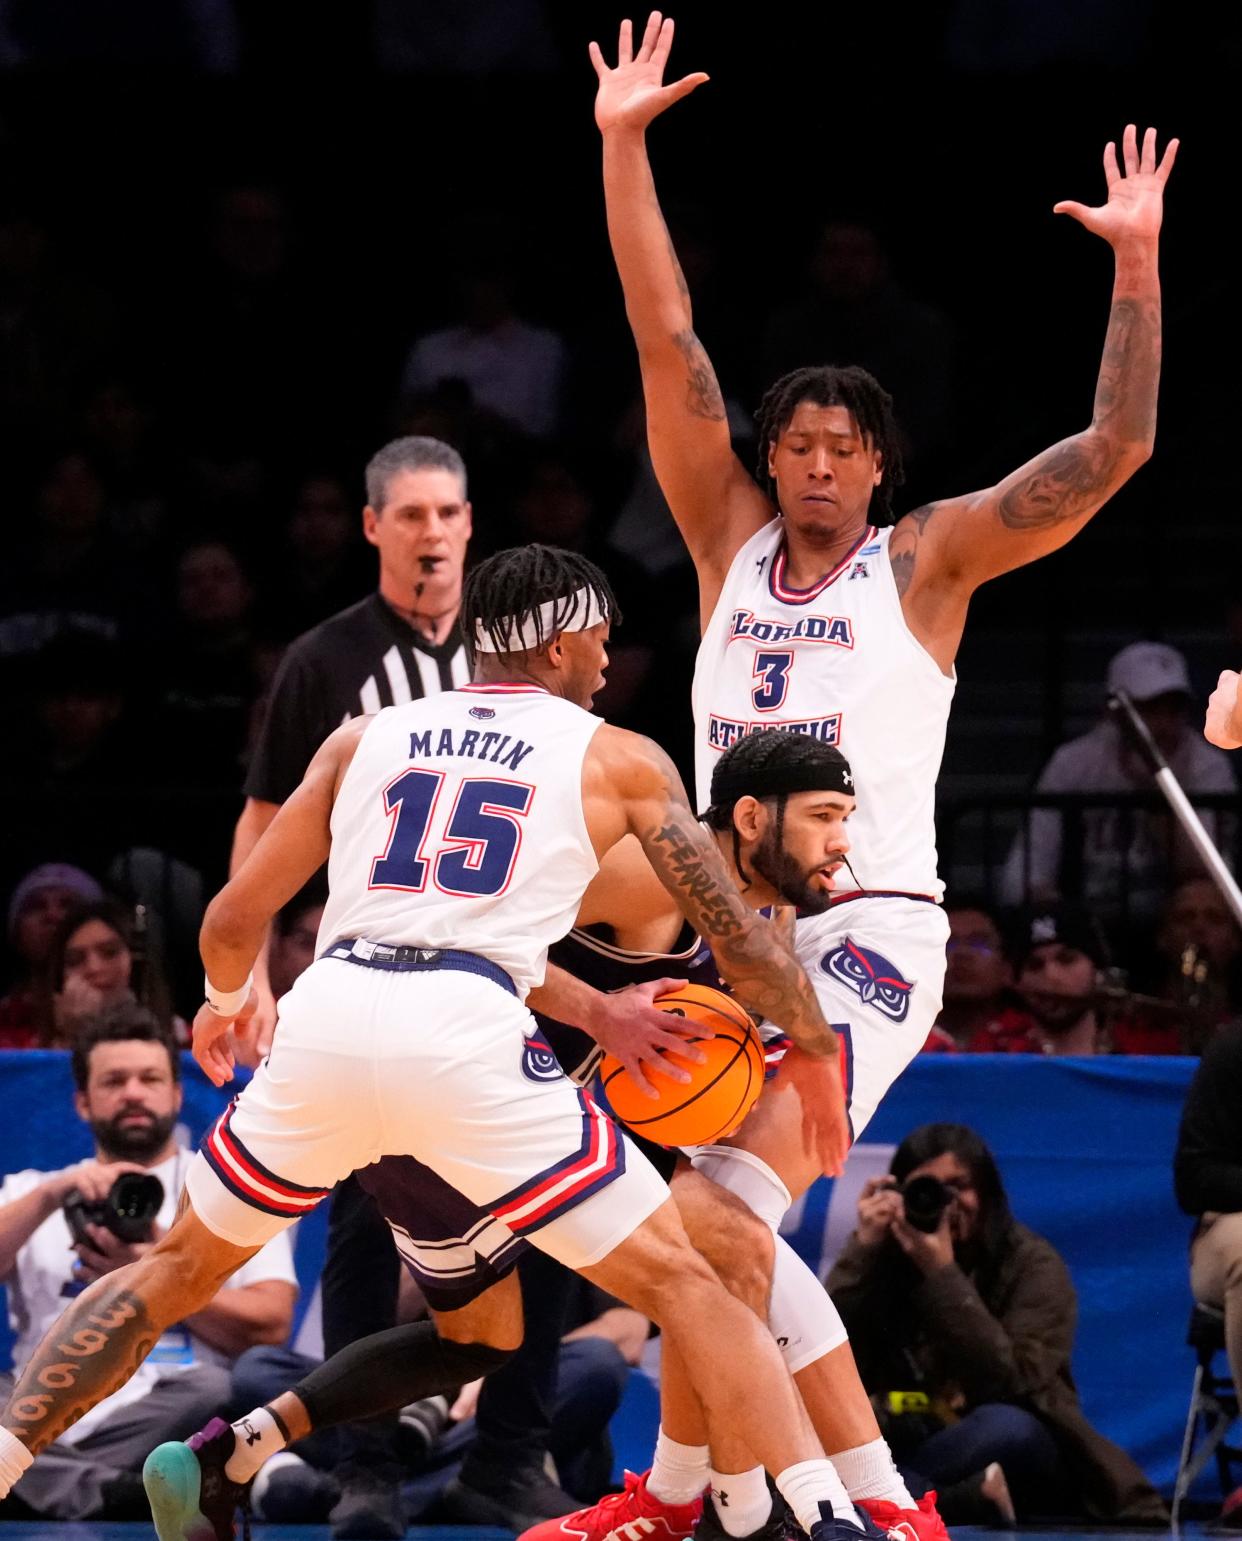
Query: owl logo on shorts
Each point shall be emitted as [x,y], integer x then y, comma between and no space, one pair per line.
[539,1063]
[871,976]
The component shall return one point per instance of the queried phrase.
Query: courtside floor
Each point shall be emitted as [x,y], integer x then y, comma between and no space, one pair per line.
[84,1531]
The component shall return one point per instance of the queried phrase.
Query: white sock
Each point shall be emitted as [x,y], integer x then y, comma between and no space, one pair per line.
[811,1483]
[256,1436]
[679,1473]
[868,1472]
[742,1499]
[15,1461]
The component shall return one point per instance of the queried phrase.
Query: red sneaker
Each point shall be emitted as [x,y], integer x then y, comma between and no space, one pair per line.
[633,1515]
[922,1523]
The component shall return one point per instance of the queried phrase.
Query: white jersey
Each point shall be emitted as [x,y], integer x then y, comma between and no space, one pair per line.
[837,661]
[459,824]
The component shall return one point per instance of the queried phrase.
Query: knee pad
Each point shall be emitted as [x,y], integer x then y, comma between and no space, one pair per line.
[801,1315]
[747,1178]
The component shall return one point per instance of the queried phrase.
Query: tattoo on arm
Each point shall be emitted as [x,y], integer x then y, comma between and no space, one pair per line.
[1064,483]
[703,396]
[750,953]
[95,1347]
[903,548]
[1073,478]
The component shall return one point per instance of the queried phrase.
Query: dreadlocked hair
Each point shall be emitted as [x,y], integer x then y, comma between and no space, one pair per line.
[743,770]
[832,385]
[508,590]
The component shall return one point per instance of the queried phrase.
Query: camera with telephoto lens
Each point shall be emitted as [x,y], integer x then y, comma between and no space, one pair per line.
[128,1209]
[925,1200]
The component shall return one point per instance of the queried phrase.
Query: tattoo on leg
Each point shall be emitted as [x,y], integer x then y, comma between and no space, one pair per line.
[95,1347]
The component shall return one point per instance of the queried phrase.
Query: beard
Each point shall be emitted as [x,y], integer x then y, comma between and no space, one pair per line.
[133,1142]
[793,883]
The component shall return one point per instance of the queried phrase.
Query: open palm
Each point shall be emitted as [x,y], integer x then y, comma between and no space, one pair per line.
[634,93]
[1135,195]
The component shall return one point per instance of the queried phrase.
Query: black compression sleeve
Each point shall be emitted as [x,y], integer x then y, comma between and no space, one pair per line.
[382,1373]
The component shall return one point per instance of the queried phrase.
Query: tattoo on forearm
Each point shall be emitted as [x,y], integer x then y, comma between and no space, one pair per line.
[95,1347]
[703,397]
[1125,396]
[749,951]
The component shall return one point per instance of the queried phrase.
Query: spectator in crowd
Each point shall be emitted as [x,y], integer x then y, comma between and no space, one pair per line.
[1197,981]
[100,957]
[321,567]
[854,311]
[554,506]
[981,1007]
[511,366]
[1060,982]
[293,943]
[37,906]
[124,440]
[975,1315]
[1127,858]
[63,569]
[127,1074]
[1207,1173]
[209,670]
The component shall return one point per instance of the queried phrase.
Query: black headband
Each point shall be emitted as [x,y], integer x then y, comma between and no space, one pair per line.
[828,772]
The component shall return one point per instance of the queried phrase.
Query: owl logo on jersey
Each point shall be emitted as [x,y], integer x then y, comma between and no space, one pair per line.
[539,1063]
[871,977]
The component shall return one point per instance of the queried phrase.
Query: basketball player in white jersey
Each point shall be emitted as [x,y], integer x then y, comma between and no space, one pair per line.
[460,833]
[819,614]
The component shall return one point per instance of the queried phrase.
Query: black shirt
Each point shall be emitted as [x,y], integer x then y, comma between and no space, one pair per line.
[351,664]
[1207,1170]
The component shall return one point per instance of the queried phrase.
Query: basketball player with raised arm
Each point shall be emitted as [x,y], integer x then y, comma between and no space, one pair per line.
[461,833]
[822,616]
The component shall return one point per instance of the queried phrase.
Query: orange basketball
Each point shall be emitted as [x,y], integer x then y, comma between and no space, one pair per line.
[720,1092]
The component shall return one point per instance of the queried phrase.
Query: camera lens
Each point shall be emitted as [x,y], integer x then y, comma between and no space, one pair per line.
[925,1200]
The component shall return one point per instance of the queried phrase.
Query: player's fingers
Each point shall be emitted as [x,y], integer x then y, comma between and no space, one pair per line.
[651,37]
[1078,211]
[625,43]
[683,87]
[1166,163]
[637,1073]
[1112,171]
[663,44]
[1147,160]
[665,1040]
[597,59]
[1129,149]
[655,988]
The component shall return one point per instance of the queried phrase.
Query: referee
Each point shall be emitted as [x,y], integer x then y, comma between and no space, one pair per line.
[399,644]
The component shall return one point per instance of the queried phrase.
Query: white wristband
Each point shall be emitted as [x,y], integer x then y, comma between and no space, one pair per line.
[226,1003]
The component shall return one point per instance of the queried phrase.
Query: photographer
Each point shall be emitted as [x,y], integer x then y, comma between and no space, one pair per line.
[962,1322]
[60,1230]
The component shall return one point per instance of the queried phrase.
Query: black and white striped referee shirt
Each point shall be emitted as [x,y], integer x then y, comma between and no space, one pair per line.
[351,664]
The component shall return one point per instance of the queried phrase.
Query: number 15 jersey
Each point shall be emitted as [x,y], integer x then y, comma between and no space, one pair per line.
[459,824]
[836,661]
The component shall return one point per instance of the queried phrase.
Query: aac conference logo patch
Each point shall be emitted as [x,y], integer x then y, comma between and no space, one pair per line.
[870,975]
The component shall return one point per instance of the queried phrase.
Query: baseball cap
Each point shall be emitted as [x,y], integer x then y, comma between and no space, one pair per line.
[1063,926]
[52,874]
[1147,669]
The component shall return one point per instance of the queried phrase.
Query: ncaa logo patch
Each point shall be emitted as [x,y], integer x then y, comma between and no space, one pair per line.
[539,1063]
[870,975]
[483,713]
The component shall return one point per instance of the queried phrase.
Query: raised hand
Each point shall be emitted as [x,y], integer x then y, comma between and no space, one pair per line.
[1135,194]
[633,93]
[1223,724]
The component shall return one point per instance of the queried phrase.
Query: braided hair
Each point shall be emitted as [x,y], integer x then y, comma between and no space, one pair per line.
[508,590]
[772,763]
[832,385]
